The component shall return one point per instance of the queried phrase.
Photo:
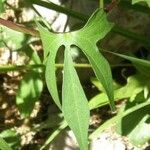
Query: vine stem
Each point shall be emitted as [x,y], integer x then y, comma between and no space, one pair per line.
[6,68]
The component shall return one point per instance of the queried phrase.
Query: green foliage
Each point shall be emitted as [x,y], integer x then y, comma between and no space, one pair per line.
[135,85]
[136,124]
[12,139]
[29,91]
[137,90]
[132,120]
[117,118]
[4,145]
[30,87]
[134,60]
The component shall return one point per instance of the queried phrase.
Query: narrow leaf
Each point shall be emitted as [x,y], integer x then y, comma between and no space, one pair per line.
[142,62]
[74,103]
[103,74]
[51,43]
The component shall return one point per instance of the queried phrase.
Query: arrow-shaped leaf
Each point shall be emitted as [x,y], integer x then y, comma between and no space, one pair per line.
[74,104]
[95,29]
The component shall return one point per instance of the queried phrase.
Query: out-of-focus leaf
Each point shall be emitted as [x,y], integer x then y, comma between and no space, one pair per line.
[12,38]
[135,60]
[135,84]
[142,65]
[54,134]
[75,110]
[28,93]
[97,84]
[12,138]
[2,6]
[141,133]
[32,54]
[30,87]
[136,1]
[98,101]
[136,125]
[117,118]
[4,145]
[100,87]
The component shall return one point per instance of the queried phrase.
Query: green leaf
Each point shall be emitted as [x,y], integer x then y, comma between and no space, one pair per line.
[117,118]
[138,61]
[142,62]
[2,6]
[12,38]
[136,125]
[28,93]
[136,1]
[51,42]
[141,133]
[98,101]
[135,84]
[4,145]
[86,38]
[142,65]
[99,86]
[11,137]
[74,103]
[31,85]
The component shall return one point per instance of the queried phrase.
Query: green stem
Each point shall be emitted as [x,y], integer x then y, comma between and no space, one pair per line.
[18,27]
[6,68]
[58,8]
[101,3]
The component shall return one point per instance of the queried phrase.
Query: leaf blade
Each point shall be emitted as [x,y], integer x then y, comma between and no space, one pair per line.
[76,112]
